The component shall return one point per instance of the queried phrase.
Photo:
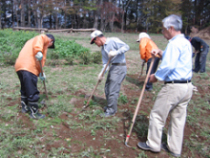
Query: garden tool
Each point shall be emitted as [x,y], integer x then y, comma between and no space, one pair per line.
[139,102]
[43,81]
[142,68]
[87,104]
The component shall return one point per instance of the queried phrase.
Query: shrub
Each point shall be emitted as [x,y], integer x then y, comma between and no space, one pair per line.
[69,48]
[9,58]
[96,57]
[54,55]
[85,57]
[69,60]
[13,41]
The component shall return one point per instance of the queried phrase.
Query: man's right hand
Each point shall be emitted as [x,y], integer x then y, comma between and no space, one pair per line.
[152,78]
[100,77]
[143,62]
[39,56]
[157,53]
[43,78]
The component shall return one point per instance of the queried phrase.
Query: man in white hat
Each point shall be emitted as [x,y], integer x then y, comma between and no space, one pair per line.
[146,45]
[111,48]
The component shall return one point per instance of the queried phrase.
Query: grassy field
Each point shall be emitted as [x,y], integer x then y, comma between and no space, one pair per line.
[68,132]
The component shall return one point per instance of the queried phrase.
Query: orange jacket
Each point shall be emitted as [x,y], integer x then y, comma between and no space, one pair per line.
[146,45]
[27,60]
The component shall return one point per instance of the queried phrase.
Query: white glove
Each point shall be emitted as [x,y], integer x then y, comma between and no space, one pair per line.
[112,54]
[100,77]
[39,56]
[42,77]
[195,89]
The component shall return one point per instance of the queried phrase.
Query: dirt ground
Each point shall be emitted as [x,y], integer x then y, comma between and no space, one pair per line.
[65,133]
[203,34]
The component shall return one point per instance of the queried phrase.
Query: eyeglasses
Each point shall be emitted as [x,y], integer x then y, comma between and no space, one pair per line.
[94,39]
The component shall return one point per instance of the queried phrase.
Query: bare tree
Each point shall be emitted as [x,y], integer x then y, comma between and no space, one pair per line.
[22,9]
[123,14]
[96,15]
[29,12]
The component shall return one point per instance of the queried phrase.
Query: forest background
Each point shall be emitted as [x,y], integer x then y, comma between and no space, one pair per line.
[105,15]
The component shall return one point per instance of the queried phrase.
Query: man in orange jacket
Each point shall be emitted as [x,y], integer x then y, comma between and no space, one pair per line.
[28,69]
[146,45]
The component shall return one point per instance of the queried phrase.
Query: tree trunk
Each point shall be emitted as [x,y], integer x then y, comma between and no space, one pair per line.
[123,16]
[0,20]
[50,21]
[22,14]
[102,17]
[12,8]
[111,23]
[29,13]
[84,21]
[96,15]
[15,5]
[95,25]
[41,22]
[64,20]
[35,13]
[56,23]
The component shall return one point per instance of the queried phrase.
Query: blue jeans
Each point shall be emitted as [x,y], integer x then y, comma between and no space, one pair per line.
[200,60]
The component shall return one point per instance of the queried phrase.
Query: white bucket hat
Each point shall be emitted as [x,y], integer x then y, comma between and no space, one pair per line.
[142,35]
[95,34]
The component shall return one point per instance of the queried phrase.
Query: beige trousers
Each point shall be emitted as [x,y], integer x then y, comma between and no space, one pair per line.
[172,99]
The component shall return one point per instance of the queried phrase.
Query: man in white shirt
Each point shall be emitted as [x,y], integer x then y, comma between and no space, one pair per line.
[176,71]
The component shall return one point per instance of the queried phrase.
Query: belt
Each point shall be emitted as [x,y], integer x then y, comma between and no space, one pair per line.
[178,81]
[119,64]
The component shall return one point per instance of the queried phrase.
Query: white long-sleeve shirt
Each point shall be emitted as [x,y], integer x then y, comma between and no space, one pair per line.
[176,60]
[114,44]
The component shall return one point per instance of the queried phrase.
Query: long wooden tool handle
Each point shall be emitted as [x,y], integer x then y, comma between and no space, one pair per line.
[44,80]
[139,102]
[142,67]
[107,64]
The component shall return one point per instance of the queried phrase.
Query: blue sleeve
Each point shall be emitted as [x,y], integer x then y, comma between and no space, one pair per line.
[120,46]
[169,61]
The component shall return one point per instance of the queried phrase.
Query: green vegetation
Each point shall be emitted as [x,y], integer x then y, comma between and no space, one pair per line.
[68,132]
[64,49]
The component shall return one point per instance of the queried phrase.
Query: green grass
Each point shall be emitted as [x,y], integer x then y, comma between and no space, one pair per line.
[66,132]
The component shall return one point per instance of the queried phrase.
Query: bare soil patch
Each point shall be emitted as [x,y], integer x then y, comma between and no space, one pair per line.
[84,138]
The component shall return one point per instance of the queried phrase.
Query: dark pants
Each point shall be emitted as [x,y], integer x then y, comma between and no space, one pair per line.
[153,70]
[112,86]
[200,61]
[28,83]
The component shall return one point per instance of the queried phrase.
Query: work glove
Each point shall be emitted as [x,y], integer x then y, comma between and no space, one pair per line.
[43,78]
[100,77]
[195,89]
[39,56]
[112,54]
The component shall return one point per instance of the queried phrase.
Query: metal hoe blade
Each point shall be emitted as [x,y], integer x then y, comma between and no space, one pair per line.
[87,104]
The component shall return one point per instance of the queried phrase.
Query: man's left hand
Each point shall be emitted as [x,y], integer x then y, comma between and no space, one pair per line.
[39,56]
[157,53]
[112,54]
[152,78]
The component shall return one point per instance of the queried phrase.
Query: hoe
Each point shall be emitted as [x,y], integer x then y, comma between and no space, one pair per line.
[139,102]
